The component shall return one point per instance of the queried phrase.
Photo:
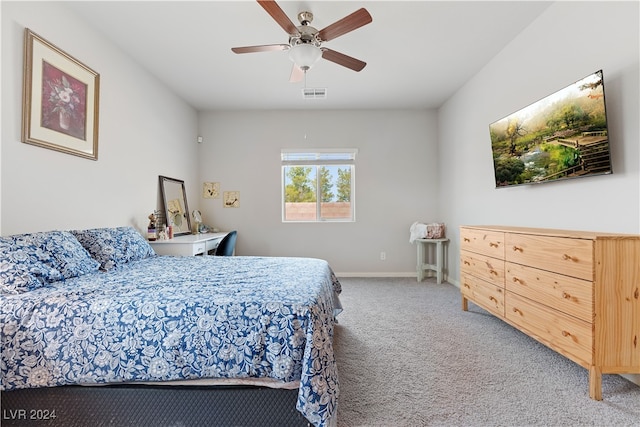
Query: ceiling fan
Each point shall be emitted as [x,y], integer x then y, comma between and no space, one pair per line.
[305,42]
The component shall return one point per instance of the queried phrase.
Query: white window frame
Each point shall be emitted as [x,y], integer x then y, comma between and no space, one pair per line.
[318,157]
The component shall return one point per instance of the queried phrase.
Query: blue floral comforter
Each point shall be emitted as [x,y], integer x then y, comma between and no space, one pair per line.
[173,318]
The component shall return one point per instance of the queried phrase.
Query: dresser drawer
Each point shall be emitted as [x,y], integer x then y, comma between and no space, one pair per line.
[486,295]
[484,242]
[573,257]
[567,294]
[566,334]
[483,267]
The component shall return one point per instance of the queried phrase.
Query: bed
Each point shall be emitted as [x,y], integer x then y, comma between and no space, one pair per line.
[99,308]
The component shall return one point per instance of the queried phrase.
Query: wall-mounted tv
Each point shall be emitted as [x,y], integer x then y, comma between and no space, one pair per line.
[561,136]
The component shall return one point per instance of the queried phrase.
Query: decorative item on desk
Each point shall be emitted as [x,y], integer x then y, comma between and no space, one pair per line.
[151,228]
[162,232]
[197,218]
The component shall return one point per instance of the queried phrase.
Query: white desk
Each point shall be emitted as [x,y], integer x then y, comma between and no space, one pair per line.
[423,266]
[188,244]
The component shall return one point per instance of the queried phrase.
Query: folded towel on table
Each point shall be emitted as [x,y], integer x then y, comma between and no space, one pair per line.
[426,231]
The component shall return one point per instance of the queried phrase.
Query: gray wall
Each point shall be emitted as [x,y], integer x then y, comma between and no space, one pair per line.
[396,183]
[567,42]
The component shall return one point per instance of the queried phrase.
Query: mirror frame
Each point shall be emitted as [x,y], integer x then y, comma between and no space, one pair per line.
[172,189]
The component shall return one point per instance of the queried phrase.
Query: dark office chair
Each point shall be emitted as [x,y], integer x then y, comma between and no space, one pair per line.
[227,244]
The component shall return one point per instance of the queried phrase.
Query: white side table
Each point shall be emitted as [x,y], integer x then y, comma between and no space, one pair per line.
[423,265]
[188,244]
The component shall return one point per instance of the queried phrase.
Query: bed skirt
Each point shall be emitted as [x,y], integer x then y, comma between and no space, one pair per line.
[139,406]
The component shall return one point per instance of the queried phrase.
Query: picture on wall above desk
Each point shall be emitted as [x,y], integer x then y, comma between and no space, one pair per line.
[211,190]
[60,100]
[231,199]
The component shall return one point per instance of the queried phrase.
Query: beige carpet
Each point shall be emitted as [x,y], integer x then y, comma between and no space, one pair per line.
[409,356]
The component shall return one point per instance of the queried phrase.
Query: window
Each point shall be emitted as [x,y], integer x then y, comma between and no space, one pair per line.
[306,171]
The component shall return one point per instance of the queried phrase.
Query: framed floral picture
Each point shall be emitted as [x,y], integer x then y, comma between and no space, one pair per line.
[60,100]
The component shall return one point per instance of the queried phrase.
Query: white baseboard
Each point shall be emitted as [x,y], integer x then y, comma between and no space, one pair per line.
[379,274]
[634,378]
[396,274]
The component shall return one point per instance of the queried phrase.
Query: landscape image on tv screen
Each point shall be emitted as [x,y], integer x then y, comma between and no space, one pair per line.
[563,135]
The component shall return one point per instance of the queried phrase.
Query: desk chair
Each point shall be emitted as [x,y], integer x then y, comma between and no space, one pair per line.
[227,245]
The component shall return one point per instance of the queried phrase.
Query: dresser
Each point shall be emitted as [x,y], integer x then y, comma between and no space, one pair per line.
[577,292]
[188,244]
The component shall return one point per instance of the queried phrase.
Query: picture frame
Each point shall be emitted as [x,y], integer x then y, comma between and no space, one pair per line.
[211,190]
[231,199]
[174,204]
[60,100]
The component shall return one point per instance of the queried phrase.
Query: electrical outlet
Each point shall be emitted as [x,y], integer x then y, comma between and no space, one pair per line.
[383,256]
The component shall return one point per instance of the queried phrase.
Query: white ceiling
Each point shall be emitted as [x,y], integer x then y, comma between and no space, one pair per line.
[418,53]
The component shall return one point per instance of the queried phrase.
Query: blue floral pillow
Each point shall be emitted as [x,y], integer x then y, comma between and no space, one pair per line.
[114,247]
[60,250]
[21,270]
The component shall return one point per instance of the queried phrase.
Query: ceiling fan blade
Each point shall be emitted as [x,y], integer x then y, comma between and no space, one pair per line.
[349,23]
[296,74]
[279,16]
[260,48]
[342,59]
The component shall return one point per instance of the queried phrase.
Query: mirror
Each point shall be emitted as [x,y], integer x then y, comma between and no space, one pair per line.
[174,202]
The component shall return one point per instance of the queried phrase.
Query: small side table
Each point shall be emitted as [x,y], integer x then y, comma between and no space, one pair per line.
[422,265]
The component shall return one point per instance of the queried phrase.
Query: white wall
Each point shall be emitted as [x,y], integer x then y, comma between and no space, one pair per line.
[567,42]
[396,183]
[145,131]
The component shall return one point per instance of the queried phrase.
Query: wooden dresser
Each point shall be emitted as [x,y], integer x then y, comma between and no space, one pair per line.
[576,292]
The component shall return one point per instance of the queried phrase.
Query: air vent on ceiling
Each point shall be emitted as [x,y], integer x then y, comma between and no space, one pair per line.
[314,93]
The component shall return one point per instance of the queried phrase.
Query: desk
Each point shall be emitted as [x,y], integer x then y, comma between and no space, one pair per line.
[188,244]
[422,265]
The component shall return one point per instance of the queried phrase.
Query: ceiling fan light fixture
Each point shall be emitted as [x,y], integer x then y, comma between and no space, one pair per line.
[304,55]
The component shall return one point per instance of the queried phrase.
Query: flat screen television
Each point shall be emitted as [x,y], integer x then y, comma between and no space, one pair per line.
[561,136]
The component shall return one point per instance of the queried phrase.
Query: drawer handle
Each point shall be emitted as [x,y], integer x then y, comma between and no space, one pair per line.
[517,249]
[495,273]
[493,299]
[467,286]
[566,334]
[466,239]
[493,245]
[515,310]
[466,262]
[566,295]
[567,257]
[517,280]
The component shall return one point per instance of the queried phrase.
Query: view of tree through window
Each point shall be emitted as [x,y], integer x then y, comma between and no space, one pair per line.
[302,199]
